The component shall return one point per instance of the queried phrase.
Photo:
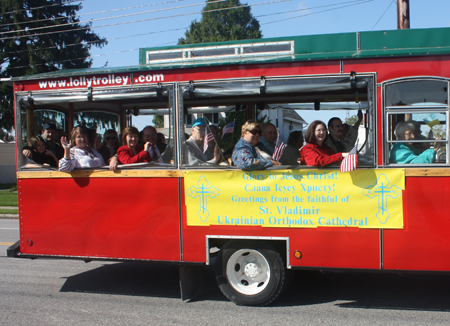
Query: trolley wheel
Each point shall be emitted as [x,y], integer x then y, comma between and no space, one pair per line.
[250,273]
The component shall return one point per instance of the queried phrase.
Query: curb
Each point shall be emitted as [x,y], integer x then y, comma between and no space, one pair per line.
[9,216]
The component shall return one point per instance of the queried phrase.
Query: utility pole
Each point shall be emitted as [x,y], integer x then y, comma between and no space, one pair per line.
[402,14]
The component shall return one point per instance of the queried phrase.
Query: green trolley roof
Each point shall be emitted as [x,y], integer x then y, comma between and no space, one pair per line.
[393,43]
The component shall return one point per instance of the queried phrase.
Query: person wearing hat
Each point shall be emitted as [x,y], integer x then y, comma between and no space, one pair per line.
[48,134]
[193,147]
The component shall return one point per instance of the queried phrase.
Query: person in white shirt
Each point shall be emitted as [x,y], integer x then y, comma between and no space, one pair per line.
[80,155]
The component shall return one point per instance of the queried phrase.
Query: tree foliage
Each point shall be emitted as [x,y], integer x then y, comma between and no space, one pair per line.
[158,121]
[223,25]
[40,36]
[351,120]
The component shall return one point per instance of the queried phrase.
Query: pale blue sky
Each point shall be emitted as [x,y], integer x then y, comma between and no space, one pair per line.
[286,18]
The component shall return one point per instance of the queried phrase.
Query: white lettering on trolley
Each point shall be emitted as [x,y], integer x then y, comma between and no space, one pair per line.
[150,78]
[84,81]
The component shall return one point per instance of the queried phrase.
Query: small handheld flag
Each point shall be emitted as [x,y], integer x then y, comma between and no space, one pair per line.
[350,163]
[228,129]
[209,137]
[279,149]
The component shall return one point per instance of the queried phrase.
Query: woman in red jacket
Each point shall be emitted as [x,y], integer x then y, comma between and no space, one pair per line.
[130,153]
[315,152]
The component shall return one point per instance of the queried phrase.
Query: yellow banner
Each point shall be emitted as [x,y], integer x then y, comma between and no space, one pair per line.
[296,198]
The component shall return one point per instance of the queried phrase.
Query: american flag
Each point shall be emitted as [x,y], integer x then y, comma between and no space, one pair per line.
[209,137]
[350,163]
[279,149]
[228,129]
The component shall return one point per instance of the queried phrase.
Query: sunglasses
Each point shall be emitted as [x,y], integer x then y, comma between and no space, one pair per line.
[110,138]
[255,132]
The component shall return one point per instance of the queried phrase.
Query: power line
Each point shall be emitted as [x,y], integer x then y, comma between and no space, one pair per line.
[383,14]
[89,13]
[141,20]
[106,18]
[46,6]
[350,5]
[304,9]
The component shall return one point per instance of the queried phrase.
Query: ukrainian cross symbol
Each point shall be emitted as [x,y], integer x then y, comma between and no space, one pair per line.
[203,191]
[382,191]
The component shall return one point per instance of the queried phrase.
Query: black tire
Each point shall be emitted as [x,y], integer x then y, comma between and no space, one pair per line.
[250,273]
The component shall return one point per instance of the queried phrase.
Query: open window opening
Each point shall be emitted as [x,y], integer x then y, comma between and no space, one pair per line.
[290,104]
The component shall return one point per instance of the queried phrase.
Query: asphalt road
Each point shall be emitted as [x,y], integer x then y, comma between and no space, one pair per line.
[70,292]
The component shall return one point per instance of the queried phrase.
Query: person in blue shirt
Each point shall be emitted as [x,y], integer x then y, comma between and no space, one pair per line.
[406,153]
[245,155]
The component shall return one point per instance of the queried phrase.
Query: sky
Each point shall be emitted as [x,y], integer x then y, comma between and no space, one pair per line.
[162,22]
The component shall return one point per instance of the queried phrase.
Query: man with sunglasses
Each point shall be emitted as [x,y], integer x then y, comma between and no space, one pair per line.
[193,147]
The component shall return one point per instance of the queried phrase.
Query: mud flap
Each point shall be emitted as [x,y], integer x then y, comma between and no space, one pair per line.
[192,281]
[14,250]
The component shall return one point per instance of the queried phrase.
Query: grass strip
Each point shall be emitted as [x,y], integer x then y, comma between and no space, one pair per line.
[8,198]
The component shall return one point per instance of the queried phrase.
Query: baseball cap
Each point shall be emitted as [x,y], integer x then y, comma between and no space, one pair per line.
[199,122]
[49,126]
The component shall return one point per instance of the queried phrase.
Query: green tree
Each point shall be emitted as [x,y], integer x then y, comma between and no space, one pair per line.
[158,121]
[223,25]
[351,120]
[40,36]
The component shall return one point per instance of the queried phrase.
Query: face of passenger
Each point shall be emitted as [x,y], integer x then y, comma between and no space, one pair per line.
[110,139]
[132,140]
[81,141]
[49,134]
[269,133]
[40,147]
[411,135]
[337,129]
[252,136]
[198,133]
[320,133]
[149,135]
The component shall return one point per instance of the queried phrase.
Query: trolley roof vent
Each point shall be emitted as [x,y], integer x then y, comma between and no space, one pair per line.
[211,53]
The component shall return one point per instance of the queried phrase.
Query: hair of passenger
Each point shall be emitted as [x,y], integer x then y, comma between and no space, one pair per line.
[78,130]
[402,127]
[151,127]
[33,142]
[250,125]
[330,122]
[113,133]
[127,131]
[294,137]
[160,138]
[310,136]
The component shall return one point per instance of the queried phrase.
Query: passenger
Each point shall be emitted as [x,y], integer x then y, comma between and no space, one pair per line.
[48,134]
[150,135]
[60,133]
[340,140]
[81,155]
[291,154]
[316,152]
[40,153]
[268,139]
[245,154]
[94,140]
[407,153]
[193,147]
[161,139]
[109,148]
[131,152]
